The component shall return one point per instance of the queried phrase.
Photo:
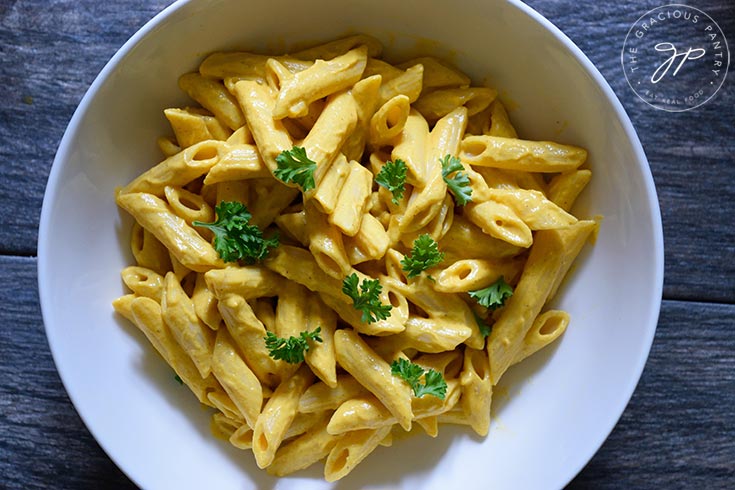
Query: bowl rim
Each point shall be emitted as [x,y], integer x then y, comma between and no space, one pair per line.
[154,23]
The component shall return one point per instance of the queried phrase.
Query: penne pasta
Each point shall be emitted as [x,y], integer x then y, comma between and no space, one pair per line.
[323,78]
[326,195]
[477,390]
[388,122]
[350,450]
[239,162]
[547,327]
[366,93]
[188,330]
[321,397]
[548,262]
[222,426]
[177,170]
[439,103]
[213,96]
[184,243]
[408,83]
[249,282]
[189,206]
[356,357]
[516,154]
[146,314]
[244,65]
[335,48]
[304,451]
[277,415]
[143,282]
[565,187]
[205,303]
[352,201]
[188,128]
[248,333]
[438,74]
[167,146]
[330,131]
[335,247]
[242,386]
[270,135]
[468,274]
[326,244]
[321,357]
[500,122]
[222,402]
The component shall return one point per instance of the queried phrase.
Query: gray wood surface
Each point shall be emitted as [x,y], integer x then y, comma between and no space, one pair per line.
[677,432]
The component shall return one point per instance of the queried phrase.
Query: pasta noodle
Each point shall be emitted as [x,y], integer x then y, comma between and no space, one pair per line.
[335,247]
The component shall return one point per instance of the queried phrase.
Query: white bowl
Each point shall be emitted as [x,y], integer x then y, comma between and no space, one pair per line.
[561,404]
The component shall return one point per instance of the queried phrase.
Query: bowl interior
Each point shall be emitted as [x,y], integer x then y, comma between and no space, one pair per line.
[556,408]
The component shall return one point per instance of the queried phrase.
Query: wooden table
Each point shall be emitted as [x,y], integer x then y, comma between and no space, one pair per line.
[677,432]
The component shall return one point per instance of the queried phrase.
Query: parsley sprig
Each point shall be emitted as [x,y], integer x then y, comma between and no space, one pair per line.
[393,177]
[424,255]
[459,185]
[434,383]
[485,329]
[295,166]
[366,298]
[494,295]
[292,349]
[234,238]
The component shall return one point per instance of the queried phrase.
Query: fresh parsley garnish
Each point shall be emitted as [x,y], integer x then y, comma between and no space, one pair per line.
[393,177]
[424,255]
[234,238]
[459,185]
[292,349]
[485,329]
[295,166]
[434,383]
[494,295]
[367,298]
[178,379]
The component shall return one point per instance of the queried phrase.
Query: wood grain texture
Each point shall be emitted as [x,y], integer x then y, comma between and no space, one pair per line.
[677,432]
[679,429]
[52,50]
[44,443]
[692,154]
[50,53]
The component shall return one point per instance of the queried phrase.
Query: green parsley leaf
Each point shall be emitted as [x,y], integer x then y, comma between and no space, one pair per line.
[494,295]
[424,255]
[485,329]
[411,373]
[367,298]
[234,238]
[393,177]
[295,166]
[178,379]
[292,349]
[459,185]
[434,383]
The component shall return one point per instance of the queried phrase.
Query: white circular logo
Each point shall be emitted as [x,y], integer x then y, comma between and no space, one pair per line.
[675,57]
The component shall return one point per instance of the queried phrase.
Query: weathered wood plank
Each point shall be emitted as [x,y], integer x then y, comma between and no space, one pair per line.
[677,431]
[692,154]
[44,443]
[51,52]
